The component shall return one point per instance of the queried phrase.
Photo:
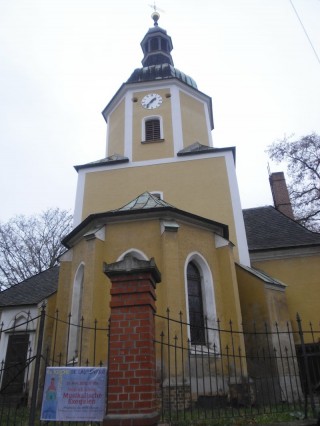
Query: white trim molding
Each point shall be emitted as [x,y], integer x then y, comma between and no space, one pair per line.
[143,126]
[134,252]
[208,299]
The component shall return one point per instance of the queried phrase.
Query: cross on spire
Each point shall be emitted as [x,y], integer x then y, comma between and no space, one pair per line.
[153,6]
[155,15]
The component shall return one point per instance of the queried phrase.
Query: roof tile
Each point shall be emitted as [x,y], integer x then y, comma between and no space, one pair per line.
[144,201]
[32,290]
[267,228]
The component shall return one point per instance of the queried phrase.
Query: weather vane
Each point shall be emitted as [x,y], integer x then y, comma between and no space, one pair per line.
[155,8]
[155,15]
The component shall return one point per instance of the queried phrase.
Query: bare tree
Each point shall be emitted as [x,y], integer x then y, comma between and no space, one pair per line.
[302,158]
[29,245]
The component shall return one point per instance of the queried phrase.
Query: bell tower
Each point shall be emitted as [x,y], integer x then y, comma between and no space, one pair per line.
[159,110]
[159,140]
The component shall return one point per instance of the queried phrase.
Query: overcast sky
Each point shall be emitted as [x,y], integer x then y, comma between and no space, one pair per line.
[61,61]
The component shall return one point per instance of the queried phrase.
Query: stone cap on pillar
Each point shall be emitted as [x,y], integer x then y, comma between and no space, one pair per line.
[132,265]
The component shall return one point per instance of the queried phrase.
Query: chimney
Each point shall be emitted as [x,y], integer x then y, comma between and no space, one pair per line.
[280,194]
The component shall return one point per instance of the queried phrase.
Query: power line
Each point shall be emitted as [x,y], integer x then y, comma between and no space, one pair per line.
[305,31]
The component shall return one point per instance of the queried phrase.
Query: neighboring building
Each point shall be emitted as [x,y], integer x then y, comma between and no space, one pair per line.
[20,308]
[289,252]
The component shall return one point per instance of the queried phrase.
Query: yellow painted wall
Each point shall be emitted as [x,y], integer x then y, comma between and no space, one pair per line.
[94,299]
[265,323]
[49,323]
[170,251]
[302,276]
[229,287]
[253,301]
[194,125]
[49,327]
[230,311]
[183,185]
[116,130]
[193,120]
[152,150]
[66,275]
[261,303]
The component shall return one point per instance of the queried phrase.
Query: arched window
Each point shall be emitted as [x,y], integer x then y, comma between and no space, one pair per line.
[164,45]
[200,301]
[135,253]
[154,44]
[196,315]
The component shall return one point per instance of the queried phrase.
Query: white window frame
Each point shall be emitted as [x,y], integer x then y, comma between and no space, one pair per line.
[135,253]
[143,127]
[208,300]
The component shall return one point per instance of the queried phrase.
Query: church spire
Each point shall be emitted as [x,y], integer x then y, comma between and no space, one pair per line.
[157,60]
[156,44]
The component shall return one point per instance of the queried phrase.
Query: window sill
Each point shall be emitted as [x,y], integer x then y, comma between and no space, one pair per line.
[152,141]
[204,350]
[73,362]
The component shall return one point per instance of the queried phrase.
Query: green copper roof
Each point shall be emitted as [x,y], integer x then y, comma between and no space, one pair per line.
[144,201]
[160,72]
[157,60]
[107,161]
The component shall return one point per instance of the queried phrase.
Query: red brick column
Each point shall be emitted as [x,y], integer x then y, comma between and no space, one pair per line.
[131,396]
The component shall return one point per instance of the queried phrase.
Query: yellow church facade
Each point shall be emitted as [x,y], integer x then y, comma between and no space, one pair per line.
[181,165]
[173,238]
[159,148]
[164,193]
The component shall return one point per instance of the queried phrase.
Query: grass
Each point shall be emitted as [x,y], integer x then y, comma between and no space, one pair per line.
[236,417]
[199,417]
[13,416]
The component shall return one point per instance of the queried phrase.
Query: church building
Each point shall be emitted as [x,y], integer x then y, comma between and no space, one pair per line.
[164,192]
[165,196]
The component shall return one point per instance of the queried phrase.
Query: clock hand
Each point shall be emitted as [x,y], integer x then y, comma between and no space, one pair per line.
[149,103]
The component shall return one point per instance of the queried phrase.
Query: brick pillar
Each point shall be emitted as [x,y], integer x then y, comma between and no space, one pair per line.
[131,396]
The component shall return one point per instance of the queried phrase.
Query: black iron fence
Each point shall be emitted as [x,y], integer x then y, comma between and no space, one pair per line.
[261,370]
[51,341]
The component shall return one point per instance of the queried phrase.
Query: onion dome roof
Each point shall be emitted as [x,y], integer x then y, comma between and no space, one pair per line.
[157,60]
[160,72]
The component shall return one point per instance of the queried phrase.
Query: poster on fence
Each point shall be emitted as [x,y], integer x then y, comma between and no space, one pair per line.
[74,394]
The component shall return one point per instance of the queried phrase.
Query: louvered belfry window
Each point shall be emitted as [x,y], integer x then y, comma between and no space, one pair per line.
[152,129]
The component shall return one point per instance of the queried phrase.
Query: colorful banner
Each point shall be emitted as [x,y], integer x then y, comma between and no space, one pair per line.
[74,394]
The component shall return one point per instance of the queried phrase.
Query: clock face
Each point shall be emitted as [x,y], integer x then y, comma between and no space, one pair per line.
[151,101]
